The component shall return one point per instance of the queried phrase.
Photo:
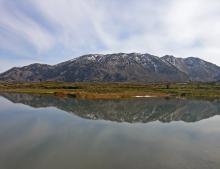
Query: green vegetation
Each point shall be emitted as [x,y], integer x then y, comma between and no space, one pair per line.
[116,90]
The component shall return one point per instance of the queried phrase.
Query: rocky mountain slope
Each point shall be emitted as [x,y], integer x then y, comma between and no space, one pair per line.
[196,69]
[120,67]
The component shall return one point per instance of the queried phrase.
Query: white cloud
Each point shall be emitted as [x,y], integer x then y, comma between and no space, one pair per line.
[24,29]
[182,28]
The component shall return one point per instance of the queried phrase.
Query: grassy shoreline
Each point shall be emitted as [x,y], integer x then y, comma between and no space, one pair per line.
[116,90]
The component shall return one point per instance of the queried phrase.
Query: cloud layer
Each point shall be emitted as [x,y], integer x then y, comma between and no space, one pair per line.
[56,30]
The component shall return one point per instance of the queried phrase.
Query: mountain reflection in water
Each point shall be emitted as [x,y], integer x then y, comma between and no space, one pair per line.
[130,110]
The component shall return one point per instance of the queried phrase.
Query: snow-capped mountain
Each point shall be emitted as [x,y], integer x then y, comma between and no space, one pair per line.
[196,69]
[119,67]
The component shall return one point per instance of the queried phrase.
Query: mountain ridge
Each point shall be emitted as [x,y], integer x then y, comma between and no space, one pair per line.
[118,67]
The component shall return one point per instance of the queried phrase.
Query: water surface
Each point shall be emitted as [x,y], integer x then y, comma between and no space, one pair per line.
[46,132]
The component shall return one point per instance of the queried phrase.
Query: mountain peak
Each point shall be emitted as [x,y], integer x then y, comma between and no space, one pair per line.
[170,59]
[118,67]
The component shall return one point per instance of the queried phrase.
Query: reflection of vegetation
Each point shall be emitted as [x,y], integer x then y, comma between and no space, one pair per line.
[115,90]
[128,110]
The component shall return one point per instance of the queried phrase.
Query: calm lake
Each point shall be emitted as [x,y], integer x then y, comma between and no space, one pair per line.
[46,132]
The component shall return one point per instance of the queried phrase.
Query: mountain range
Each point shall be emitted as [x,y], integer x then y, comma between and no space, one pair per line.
[119,67]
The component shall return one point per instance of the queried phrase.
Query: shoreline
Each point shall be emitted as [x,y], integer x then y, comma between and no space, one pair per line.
[116,90]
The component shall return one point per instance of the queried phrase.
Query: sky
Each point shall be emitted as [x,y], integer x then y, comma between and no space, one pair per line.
[52,31]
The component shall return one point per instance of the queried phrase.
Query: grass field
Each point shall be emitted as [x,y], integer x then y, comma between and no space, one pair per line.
[116,90]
